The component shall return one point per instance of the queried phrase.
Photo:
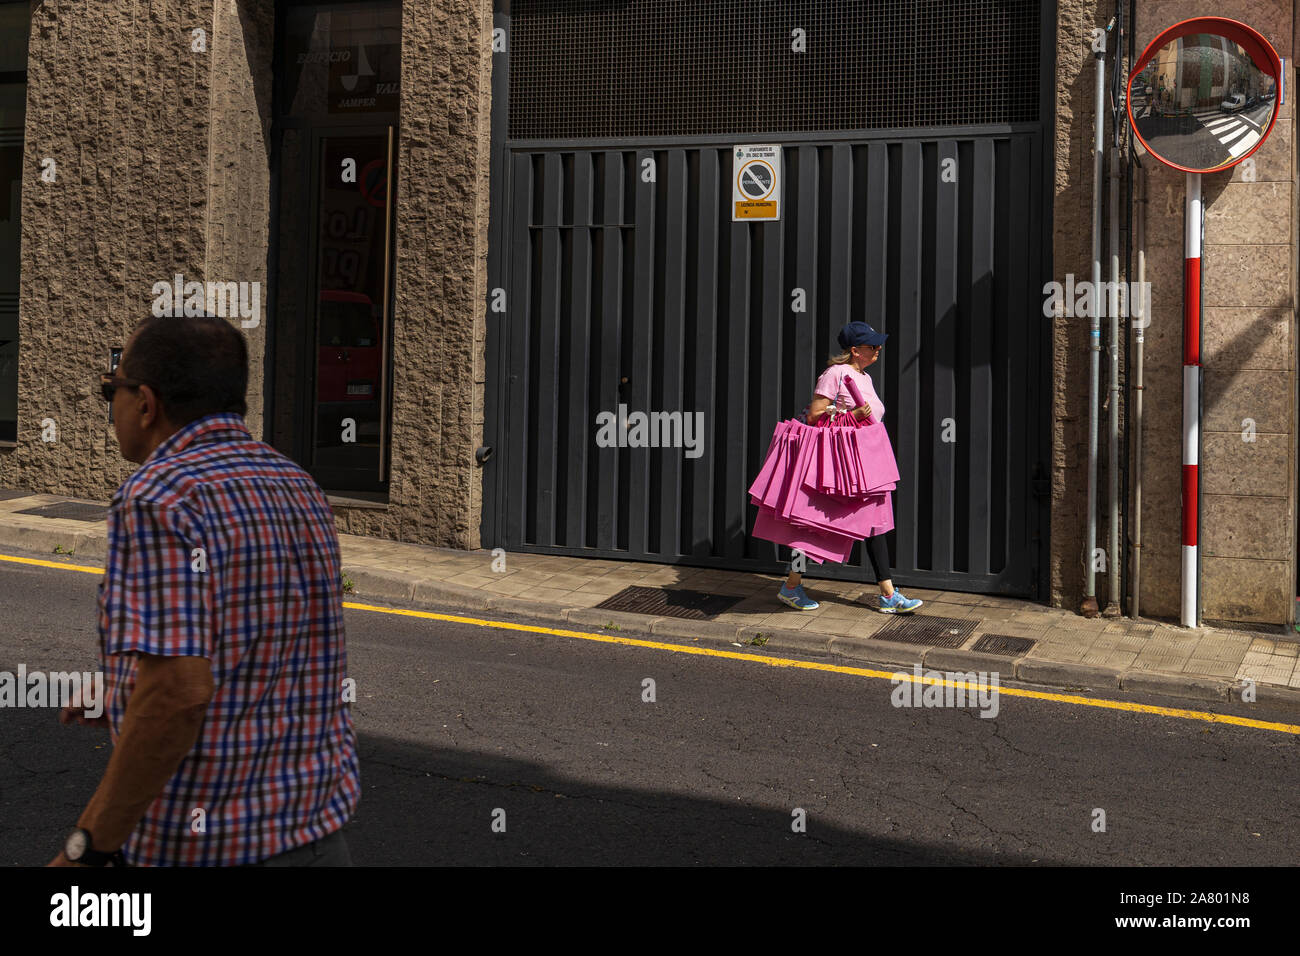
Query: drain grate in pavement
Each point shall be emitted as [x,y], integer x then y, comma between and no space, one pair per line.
[7,493]
[1004,644]
[670,602]
[69,509]
[927,629]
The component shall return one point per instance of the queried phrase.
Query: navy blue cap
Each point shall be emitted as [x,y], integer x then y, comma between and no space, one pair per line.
[859,333]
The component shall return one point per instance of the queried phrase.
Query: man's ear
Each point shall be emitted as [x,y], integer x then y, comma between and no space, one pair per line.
[152,407]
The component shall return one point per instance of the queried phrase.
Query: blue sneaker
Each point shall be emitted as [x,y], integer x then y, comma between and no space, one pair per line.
[797,599]
[898,603]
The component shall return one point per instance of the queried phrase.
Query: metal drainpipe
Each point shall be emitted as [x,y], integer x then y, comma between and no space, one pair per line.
[1144,319]
[1089,607]
[1114,558]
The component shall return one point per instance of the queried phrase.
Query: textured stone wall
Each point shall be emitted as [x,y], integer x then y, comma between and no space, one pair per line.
[161,168]
[238,215]
[1072,254]
[1247,488]
[436,489]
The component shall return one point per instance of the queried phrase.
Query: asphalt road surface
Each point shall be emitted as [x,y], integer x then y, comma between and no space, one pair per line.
[463,725]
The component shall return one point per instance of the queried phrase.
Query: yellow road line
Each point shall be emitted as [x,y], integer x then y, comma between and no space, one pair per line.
[52,564]
[841,669]
[780,661]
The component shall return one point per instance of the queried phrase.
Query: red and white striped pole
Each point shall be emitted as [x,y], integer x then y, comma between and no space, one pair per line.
[1191,399]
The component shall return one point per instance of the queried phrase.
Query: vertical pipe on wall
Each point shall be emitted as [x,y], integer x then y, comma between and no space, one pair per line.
[1089,607]
[1139,328]
[1114,560]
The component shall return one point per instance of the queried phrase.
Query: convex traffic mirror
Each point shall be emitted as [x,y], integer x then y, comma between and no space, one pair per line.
[1205,94]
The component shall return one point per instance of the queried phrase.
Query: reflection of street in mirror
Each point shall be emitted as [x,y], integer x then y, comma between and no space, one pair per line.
[1202,102]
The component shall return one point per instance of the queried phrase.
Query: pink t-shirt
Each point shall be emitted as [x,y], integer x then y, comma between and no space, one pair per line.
[831,385]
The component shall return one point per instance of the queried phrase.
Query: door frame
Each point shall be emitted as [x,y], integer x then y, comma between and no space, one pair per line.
[311,128]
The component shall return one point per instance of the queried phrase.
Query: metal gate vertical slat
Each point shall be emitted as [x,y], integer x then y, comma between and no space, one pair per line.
[673,309]
[963,411]
[1024,272]
[983,335]
[841,254]
[546,354]
[573,464]
[611,298]
[766,409]
[1006,405]
[806,208]
[799,266]
[733,352]
[904,408]
[637,392]
[871,264]
[836,196]
[519,324]
[704,385]
[943,325]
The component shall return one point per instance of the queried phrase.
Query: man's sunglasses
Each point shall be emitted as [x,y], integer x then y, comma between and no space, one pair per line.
[109,383]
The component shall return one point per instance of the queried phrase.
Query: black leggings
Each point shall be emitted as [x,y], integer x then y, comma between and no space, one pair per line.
[879,556]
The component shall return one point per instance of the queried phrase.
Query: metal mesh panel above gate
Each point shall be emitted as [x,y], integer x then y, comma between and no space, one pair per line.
[607,68]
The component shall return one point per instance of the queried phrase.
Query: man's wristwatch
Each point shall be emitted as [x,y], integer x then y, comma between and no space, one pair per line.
[78,848]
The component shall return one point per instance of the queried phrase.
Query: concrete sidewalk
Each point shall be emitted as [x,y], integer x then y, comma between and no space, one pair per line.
[1068,651]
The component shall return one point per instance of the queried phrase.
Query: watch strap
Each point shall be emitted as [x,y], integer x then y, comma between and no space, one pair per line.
[92,857]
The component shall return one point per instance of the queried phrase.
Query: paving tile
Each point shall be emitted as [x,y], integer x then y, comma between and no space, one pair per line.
[843,611]
[1058,652]
[956,597]
[1109,658]
[572,581]
[1213,668]
[994,613]
[1171,664]
[925,594]
[469,580]
[991,600]
[1280,648]
[552,595]
[1270,673]
[945,609]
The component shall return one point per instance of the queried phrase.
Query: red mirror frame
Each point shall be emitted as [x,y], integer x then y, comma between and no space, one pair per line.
[1257,48]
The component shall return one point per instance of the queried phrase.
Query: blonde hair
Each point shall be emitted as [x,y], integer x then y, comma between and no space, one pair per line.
[842,359]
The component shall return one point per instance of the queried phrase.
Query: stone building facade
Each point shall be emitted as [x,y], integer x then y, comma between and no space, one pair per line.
[164,128]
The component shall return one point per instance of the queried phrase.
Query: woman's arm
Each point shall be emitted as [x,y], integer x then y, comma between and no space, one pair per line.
[818,405]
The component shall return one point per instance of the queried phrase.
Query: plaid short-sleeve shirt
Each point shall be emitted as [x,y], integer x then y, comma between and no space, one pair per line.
[221,547]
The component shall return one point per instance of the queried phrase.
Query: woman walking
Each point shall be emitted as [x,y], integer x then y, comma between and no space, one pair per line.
[824,487]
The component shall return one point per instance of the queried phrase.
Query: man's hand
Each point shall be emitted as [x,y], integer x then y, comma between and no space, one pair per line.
[62,860]
[77,711]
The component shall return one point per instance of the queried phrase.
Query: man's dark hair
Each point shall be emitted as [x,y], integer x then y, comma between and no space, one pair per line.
[198,365]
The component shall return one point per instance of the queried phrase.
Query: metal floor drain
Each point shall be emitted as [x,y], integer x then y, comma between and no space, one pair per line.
[69,509]
[927,629]
[670,602]
[1004,644]
[7,493]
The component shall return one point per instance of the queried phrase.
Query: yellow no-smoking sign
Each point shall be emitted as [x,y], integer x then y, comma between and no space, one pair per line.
[756,190]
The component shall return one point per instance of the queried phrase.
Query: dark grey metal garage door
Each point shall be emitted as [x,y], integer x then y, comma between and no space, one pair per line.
[626,283]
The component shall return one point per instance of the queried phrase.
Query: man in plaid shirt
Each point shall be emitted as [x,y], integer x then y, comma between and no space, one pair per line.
[221,629]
